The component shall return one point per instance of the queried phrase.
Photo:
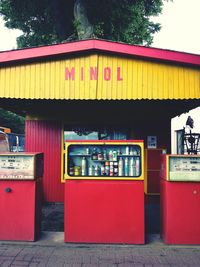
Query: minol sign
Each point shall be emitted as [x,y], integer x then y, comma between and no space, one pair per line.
[72,74]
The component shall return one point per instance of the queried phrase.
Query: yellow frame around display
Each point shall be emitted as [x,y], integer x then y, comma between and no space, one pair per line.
[139,143]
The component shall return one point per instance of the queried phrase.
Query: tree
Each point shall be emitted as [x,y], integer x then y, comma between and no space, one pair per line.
[51,21]
[11,120]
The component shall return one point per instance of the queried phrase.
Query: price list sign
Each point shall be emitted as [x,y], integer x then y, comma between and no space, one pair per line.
[184,168]
[16,167]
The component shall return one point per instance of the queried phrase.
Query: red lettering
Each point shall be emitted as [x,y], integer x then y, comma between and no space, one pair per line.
[119,78]
[69,74]
[107,74]
[93,73]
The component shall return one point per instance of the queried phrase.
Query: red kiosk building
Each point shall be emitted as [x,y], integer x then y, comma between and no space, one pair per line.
[96,89]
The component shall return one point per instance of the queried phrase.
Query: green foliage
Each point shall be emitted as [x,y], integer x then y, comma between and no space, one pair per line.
[50,21]
[11,120]
[126,21]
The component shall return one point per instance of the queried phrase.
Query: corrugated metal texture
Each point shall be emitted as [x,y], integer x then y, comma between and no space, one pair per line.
[45,136]
[118,78]
[148,80]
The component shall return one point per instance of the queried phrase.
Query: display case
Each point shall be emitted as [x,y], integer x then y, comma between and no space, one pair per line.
[21,166]
[183,168]
[103,207]
[107,160]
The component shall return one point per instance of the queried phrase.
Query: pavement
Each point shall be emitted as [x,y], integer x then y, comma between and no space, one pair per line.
[50,250]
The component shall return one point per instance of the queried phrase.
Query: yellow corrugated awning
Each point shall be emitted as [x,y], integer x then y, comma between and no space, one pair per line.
[98,75]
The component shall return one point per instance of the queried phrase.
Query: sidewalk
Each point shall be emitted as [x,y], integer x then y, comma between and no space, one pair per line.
[51,250]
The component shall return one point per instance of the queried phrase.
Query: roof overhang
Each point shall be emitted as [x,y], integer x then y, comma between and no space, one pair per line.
[64,49]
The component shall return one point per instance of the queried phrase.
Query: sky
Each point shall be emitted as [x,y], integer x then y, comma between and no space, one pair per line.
[180,22]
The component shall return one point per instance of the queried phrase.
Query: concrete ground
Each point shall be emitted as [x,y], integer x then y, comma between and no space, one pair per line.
[50,250]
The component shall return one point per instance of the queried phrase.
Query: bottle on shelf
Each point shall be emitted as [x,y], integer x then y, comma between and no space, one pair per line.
[132,151]
[114,155]
[107,168]
[119,152]
[102,170]
[96,170]
[104,155]
[127,150]
[94,154]
[131,167]
[115,164]
[100,155]
[77,170]
[110,155]
[91,170]
[111,169]
[126,166]
[137,167]
[121,167]
[71,168]
[84,167]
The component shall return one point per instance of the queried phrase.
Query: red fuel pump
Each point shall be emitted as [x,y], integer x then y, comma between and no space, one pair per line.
[180,199]
[20,196]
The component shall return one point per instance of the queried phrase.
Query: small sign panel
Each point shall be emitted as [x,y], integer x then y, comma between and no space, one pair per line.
[17,167]
[151,142]
[184,168]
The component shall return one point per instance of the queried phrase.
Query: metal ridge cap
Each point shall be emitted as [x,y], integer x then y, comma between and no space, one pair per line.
[45,51]
[99,45]
[149,52]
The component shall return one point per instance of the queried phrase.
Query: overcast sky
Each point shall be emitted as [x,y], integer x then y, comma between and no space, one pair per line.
[180,31]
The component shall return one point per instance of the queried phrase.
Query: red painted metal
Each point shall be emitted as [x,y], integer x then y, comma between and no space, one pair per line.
[153,182]
[164,171]
[180,216]
[45,136]
[104,211]
[154,158]
[102,46]
[20,210]
[153,170]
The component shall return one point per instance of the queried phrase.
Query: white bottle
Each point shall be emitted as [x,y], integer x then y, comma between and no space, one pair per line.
[84,166]
[137,167]
[126,166]
[121,167]
[91,170]
[131,167]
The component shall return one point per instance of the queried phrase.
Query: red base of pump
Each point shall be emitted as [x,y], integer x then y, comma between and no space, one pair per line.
[180,212]
[104,212]
[20,210]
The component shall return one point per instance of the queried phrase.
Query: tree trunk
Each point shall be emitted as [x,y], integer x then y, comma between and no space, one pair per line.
[83,26]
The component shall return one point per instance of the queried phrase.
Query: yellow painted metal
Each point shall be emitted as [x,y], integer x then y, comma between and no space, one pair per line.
[116,77]
[85,143]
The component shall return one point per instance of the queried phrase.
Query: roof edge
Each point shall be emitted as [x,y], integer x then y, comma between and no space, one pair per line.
[99,45]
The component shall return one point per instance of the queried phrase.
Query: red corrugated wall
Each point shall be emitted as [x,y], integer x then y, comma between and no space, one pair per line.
[45,136]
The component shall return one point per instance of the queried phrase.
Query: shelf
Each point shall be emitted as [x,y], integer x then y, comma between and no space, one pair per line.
[100,176]
[90,155]
[80,155]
